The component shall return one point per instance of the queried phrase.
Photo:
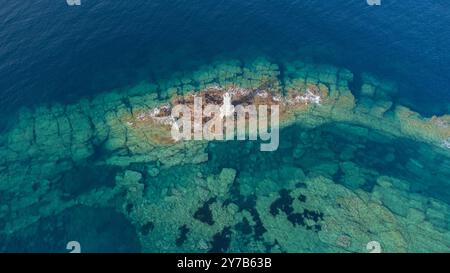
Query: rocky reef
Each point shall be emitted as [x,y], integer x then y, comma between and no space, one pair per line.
[352,167]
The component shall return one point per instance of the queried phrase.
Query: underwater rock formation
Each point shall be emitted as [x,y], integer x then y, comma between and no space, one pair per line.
[331,187]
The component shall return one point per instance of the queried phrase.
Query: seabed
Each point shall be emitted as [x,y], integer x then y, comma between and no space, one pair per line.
[349,170]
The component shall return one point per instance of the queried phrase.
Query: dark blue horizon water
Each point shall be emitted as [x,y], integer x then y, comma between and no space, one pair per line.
[50,51]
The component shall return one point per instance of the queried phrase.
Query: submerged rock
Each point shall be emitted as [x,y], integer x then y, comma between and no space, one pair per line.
[352,168]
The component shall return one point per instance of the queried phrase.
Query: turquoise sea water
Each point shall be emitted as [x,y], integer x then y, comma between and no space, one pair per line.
[328,188]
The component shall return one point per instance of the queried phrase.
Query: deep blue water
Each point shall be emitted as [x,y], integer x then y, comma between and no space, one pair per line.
[50,51]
